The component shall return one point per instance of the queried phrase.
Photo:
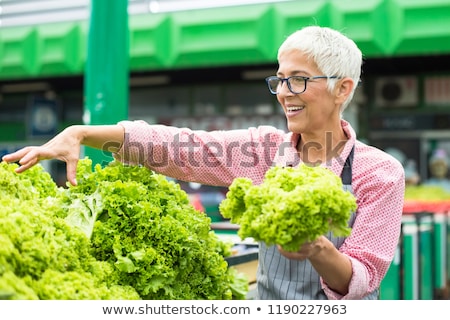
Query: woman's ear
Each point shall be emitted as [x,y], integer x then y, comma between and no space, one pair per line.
[343,89]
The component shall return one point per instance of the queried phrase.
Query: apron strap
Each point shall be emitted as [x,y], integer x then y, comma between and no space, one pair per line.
[346,175]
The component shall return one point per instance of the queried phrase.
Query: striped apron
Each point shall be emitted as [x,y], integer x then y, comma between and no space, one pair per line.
[279,278]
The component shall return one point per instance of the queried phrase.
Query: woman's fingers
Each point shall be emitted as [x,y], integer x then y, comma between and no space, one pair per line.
[71,168]
[25,157]
[17,155]
[29,156]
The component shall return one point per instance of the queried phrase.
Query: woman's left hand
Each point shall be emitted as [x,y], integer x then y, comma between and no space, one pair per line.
[306,250]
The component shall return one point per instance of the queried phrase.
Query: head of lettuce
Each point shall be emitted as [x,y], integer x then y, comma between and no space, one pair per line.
[292,206]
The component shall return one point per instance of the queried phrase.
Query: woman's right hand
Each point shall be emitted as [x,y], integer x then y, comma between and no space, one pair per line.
[65,147]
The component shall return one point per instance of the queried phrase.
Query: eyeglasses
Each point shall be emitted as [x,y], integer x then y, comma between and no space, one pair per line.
[296,84]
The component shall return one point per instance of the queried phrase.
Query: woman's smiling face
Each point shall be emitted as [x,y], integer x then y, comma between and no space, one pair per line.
[315,109]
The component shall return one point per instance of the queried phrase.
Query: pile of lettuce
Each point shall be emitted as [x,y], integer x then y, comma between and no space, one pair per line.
[426,192]
[124,232]
[293,205]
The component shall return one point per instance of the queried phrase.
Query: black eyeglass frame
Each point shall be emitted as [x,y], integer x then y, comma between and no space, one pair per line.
[287,80]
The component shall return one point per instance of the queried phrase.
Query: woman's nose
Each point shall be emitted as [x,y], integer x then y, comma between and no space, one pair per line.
[283,88]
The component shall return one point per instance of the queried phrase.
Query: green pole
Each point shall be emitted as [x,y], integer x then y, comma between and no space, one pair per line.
[410,259]
[106,73]
[440,238]
[390,288]
[426,255]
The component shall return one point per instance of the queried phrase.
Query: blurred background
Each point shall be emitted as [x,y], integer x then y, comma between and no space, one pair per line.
[202,64]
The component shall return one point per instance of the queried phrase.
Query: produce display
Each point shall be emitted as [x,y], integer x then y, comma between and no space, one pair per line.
[123,232]
[292,205]
[426,193]
[426,198]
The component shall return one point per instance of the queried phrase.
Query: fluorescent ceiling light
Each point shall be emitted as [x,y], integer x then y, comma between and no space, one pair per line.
[257,74]
[25,87]
[160,6]
[32,12]
[149,81]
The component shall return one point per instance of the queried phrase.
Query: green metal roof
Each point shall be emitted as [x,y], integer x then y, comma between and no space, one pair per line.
[241,35]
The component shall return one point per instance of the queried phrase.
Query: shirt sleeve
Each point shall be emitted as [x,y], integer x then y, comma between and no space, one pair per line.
[207,157]
[379,184]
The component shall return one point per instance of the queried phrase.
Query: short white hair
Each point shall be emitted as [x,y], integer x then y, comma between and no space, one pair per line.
[334,54]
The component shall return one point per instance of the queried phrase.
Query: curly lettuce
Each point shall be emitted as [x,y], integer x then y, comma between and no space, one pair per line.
[146,227]
[290,207]
[124,232]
